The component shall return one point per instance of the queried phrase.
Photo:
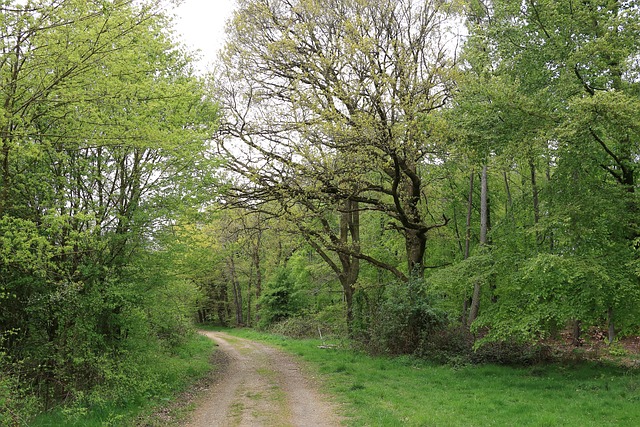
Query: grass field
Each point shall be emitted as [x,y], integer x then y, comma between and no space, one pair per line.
[378,391]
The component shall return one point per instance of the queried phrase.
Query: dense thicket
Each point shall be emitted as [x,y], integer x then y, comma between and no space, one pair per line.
[487,182]
[102,131]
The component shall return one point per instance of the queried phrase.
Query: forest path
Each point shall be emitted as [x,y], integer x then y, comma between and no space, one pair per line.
[260,386]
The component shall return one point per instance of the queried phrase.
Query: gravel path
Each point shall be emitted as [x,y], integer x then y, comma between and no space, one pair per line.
[260,386]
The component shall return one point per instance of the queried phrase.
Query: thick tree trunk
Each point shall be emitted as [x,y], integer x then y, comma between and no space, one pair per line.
[349,236]
[416,245]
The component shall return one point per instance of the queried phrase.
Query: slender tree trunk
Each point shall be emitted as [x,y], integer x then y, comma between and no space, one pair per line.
[249,290]
[507,190]
[257,263]
[577,332]
[612,328]
[237,292]
[4,197]
[484,206]
[551,236]
[534,196]
[467,243]
[484,224]
[222,304]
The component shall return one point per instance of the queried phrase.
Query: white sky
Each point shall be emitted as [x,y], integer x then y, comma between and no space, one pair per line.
[201,24]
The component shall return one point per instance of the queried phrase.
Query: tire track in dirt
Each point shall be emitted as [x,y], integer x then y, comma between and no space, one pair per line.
[260,386]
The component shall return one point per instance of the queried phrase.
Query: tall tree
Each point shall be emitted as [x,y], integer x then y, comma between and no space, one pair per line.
[334,96]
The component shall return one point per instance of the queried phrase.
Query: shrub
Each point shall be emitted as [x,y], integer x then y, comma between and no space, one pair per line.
[17,404]
[278,301]
[404,319]
[323,324]
[296,327]
[511,352]
[452,345]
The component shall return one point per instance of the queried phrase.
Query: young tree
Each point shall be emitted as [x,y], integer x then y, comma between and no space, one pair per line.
[555,84]
[102,133]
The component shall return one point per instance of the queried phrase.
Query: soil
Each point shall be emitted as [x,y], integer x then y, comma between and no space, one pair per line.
[257,385]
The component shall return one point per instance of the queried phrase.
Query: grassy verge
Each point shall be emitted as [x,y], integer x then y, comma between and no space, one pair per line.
[150,383]
[378,391]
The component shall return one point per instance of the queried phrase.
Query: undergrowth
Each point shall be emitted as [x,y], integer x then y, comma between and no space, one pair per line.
[135,388]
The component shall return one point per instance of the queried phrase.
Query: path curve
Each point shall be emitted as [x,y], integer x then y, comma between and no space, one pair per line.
[260,386]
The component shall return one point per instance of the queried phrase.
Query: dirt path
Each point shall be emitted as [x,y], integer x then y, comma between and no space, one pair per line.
[260,386]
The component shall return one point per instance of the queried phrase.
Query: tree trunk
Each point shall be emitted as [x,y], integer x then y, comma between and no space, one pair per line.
[577,331]
[507,189]
[612,328]
[534,195]
[467,243]
[484,225]
[551,236]
[484,207]
[249,290]
[237,292]
[349,231]
[257,263]
[416,245]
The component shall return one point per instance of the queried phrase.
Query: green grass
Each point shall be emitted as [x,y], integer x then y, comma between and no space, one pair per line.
[153,381]
[378,391]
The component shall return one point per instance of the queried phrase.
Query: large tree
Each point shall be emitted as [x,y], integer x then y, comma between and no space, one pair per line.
[331,101]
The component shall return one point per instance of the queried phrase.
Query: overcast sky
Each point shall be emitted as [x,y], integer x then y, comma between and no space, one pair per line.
[201,24]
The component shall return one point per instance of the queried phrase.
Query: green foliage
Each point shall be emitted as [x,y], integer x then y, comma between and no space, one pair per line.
[404,320]
[546,94]
[102,140]
[280,299]
[326,323]
[146,380]
[17,402]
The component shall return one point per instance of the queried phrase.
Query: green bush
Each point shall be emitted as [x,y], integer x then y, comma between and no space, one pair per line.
[296,327]
[279,301]
[451,345]
[454,345]
[404,319]
[511,352]
[17,403]
[325,324]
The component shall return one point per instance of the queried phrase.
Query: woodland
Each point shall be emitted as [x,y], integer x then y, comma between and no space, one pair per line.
[426,177]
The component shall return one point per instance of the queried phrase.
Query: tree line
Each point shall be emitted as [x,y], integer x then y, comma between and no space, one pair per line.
[418,175]
[477,157]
